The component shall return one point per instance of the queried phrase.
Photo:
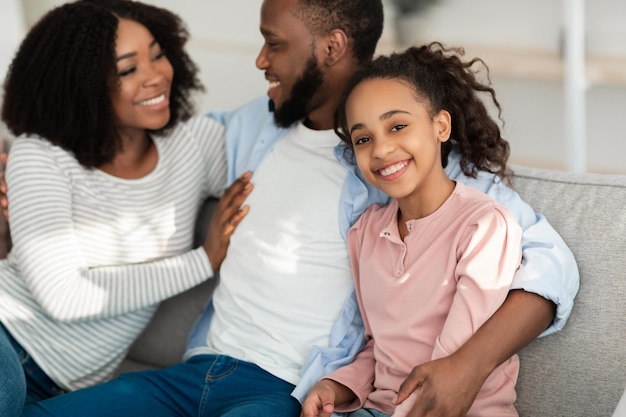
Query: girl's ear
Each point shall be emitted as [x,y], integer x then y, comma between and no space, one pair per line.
[443,125]
[336,47]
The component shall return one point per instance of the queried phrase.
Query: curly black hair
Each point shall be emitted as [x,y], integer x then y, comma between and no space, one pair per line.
[443,81]
[361,20]
[60,82]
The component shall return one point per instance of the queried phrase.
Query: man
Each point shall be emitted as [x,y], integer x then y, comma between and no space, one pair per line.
[283,313]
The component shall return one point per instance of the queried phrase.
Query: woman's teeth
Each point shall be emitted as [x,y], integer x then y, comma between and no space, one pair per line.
[153,101]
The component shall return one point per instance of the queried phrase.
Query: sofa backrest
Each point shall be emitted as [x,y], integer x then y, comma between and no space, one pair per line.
[580,371]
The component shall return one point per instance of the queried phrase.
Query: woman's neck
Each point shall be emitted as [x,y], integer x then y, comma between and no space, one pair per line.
[137,158]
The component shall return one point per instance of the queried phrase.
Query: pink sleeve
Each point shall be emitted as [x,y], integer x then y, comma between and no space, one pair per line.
[488,253]
[358,376]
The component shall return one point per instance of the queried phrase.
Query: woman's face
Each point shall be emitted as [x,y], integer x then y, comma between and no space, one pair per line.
[141,100]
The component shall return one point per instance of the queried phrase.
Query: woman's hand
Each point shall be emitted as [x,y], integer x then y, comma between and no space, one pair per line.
[226,217]
[4,200]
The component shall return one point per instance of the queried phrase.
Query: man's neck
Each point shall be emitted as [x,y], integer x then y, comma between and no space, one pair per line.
[323,117]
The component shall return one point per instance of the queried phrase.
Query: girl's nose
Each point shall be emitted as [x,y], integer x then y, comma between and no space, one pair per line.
[382,147]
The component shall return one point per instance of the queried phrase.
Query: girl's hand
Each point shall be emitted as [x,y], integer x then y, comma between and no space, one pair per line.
[324,396]
[321,400]
[226,217]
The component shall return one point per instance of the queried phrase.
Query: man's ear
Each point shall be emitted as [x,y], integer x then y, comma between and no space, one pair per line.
[443,125]
[336,47]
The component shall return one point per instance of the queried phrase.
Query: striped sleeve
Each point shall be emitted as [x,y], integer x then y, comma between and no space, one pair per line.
[48,254]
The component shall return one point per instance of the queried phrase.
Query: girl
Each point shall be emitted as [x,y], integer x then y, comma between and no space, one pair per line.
[105,181]
[434,264]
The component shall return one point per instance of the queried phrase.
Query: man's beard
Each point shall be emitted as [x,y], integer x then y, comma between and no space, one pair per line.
[296,107]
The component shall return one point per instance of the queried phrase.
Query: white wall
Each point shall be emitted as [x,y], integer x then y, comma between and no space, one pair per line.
[226,39]
[12,24]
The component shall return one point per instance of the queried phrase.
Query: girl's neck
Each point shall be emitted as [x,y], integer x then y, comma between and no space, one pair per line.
[137,158]
[423,202]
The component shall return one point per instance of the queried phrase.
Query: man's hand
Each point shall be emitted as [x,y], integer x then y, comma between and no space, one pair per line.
[443,387]
[448,386]
[227,215]
[322,398]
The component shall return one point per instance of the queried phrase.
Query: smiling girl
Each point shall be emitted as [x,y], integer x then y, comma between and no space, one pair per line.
[432,266]
[105,179]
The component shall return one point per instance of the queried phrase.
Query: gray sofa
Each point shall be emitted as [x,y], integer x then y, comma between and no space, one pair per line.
[580,371]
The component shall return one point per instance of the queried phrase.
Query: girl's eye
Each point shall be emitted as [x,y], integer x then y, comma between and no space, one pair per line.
[398,127]
[361,141]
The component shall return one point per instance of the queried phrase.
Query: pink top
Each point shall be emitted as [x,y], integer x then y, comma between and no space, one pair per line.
[421,299]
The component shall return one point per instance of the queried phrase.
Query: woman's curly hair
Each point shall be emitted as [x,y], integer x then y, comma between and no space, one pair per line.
[443,81]
[60,83]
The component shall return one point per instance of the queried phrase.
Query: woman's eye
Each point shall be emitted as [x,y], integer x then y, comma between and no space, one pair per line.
[126,71]
[158,56]
[398,127]
[360,141]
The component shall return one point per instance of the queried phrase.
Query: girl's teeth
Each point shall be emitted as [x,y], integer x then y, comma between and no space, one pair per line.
[392,169]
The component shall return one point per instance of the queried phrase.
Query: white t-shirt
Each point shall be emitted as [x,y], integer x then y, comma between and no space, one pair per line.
[288,249]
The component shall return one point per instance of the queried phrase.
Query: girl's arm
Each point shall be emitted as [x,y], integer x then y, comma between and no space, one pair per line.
[548,266]
[449,385]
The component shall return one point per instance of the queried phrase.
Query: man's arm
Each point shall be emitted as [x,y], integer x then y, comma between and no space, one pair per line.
[448,386]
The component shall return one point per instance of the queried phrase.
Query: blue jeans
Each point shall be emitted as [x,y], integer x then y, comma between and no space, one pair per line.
[22,380]
[204,386]
[367,412]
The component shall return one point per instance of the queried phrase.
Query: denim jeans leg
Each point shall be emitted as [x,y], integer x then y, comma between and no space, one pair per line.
[13,381]
[204,386]
[173,391]
[367,412]
[236,388]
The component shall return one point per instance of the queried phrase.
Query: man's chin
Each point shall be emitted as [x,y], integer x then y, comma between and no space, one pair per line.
[288,114]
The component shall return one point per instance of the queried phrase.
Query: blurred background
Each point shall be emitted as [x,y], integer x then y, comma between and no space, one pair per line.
[558,66]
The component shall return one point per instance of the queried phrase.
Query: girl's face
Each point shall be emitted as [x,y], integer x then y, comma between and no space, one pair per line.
[141,100]
[396,142]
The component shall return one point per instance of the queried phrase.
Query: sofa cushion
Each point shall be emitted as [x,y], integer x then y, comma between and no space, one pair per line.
[580,371]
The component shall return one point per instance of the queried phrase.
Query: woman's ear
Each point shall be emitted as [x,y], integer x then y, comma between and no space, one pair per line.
[443,125]
[336,47]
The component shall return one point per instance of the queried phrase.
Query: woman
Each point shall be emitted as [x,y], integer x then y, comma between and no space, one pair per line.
[105,180]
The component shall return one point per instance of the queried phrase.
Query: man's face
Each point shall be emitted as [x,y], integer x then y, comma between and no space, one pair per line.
[288,58]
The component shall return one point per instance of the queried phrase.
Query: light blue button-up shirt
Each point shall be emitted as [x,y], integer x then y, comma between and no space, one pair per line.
[548,266]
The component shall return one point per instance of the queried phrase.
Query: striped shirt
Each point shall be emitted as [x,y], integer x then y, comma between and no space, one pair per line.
[93,254]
